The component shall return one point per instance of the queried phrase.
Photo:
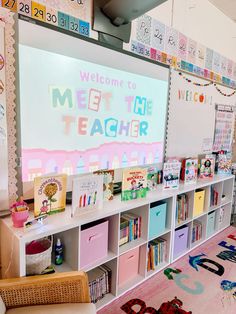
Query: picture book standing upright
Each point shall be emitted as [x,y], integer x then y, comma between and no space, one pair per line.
[134,184]
[171,174]
[189,170]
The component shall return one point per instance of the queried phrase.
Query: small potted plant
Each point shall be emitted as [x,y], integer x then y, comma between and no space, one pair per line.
[19,213]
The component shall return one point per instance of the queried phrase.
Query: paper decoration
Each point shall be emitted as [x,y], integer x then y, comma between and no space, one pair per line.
[200,56]
[209,59]
[158,35]
[87,193]
[191,51]
[144,29]
[134,184]
[171,41]
[182,46]
[49,194]
[223,131]
[216,62]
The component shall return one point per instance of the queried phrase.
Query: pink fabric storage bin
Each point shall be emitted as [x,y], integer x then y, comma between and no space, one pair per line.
[128,266]
[93,244]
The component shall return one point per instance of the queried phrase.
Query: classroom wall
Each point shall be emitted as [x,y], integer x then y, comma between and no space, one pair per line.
[201,21]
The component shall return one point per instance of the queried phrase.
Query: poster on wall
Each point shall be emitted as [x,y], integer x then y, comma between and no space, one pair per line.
[224,129]
[3,126]
[87,116]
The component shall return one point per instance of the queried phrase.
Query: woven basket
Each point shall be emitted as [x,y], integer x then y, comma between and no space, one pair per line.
[36,263]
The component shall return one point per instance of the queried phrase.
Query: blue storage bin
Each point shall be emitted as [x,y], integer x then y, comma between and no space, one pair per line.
[211,218]
[157,219]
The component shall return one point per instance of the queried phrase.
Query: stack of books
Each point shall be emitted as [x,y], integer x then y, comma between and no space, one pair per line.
[182,208]
[214,197]
[157,253]
[130,228]
[99,282]
[197,231]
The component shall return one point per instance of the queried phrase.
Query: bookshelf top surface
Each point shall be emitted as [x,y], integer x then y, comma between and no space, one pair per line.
[63,221]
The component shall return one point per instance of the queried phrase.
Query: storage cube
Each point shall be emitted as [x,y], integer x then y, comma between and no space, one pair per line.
[93,243]
[211,217]
[199,198]
[181,240]
[128,266]
[157,219]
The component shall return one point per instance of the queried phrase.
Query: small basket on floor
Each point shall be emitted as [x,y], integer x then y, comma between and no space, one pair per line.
[38,256]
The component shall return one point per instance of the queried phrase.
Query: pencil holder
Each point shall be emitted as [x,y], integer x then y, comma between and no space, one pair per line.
[19,218]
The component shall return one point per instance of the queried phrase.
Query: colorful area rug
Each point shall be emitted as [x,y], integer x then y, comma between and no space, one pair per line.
[202,282]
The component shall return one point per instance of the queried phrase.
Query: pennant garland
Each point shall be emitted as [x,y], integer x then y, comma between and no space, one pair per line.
[207,84]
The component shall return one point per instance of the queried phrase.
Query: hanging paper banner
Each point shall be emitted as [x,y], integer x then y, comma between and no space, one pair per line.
[158,35]
[200,55]
[182,46]
[209,59]
[171,41]
[223,131]
[144,29]
[216,62]
[191,53]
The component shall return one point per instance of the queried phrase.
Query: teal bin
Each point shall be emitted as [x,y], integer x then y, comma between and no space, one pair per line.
[157,219]
[211,218]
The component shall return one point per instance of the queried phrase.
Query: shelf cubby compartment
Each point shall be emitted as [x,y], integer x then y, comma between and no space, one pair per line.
[184,208]
[182,240]
[160,215]
[211,223]
[109,284]
[227,194]
[141,225]
[198,231]
[223,216]
[70,244]
[98,242]
[215,195]
[131,268]
[159,255]
[201,201]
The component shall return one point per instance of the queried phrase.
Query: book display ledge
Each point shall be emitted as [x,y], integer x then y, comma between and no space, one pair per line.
[93,238]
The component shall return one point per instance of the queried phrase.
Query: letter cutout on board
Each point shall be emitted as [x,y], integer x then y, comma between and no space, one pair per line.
[61,97]
[227,256]
[227,246]
[127,307]
[194,291]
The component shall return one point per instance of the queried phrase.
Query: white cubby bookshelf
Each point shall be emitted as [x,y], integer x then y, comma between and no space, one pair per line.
[13,241]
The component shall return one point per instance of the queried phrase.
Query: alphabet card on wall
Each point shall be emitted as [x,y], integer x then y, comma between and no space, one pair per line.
[134,184]
[171,175]
[87,193]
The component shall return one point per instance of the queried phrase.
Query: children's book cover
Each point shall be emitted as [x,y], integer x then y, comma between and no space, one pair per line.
[108,183]
[87,192]
[171,175]
[224,163]
[49,194]
[189,170]
[207,168]
[152,177]
[134,184]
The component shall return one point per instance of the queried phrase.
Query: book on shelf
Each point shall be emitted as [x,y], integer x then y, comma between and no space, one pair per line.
[214,196]
[189,170]
[171,174]
[157,253]
[207,168]
[182,208]
[108,183]
[224,163]
[196,231]
[130,228]
[99,282]
[134,184]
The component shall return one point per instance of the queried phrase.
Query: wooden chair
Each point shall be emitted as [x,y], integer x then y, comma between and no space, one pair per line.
[56,293]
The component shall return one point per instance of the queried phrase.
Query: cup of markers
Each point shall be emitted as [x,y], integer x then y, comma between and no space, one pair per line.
[19,213]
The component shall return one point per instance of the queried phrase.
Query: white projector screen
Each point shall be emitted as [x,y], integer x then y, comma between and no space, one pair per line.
[84,107]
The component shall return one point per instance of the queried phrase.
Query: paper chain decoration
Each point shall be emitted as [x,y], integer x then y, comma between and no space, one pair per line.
[206,84]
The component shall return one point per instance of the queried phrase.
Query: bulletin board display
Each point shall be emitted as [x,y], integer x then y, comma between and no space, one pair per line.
[192,114]
[87,108]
